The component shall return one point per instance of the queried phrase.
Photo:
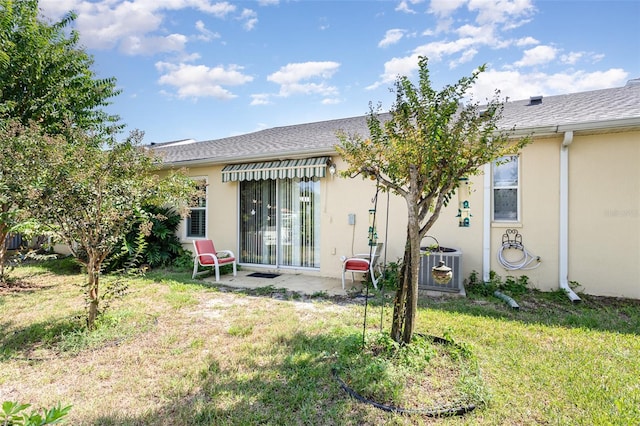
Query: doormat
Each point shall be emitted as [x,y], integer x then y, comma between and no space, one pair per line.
[263,275]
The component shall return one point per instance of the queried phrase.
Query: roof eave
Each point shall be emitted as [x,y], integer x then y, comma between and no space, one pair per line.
[585,126]
[283,155]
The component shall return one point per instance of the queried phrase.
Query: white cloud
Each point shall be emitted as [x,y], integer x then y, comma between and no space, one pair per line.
[132,25]
[437,49]
[391,37]
[205,34]
[331,101]
[571,58]
[134,45]
[190,57]
[405,6]
[268,2]
[291,78]
[492,17]
[537,56]
[445,7]
[196,81]
[301,71]
[526,41]
[466,57]
[517,85]
[260,99]
[394,68]
[511,13]
[250,19]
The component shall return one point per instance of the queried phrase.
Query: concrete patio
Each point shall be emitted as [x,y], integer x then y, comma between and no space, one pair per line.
[300,283]
[308,284]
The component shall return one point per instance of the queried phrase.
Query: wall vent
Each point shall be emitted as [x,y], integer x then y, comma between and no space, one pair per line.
[535,100]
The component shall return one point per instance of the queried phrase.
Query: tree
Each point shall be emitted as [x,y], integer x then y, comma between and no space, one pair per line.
[47,86]
[45,77]
[430,141]
[20,159]
[92,197]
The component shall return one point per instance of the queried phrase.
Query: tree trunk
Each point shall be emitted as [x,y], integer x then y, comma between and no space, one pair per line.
[400,301]
[93,270]
[406,301]
[3,250]
[411,276]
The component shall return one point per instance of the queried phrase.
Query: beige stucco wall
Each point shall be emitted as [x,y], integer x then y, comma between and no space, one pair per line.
[222,210]
[604,216]
[604,207]
[538,224]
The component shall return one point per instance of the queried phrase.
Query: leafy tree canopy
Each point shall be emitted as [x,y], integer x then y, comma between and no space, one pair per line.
[92,197]
[428,141]
[46,77]
[20,159]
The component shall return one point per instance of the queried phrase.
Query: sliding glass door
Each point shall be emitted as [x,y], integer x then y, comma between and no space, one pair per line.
[279,222]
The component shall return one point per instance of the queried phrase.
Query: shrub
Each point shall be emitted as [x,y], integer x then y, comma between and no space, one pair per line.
[511,285]
[159,248]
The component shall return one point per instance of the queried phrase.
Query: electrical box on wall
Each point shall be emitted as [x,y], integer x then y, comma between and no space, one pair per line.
[352,219]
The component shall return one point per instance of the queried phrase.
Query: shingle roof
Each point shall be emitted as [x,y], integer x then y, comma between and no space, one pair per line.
[593,108]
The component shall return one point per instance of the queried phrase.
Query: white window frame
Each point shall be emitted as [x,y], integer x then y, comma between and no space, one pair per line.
[517,188]
[204,209]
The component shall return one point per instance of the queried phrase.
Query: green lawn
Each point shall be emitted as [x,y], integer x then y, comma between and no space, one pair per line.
[176,351]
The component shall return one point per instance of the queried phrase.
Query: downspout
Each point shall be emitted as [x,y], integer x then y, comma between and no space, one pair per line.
[564,217]
[486,224]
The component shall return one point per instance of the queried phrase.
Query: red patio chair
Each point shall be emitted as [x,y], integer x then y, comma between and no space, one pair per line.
[363,263]
[206,255]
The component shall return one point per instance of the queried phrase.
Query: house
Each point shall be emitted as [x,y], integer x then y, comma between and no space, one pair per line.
[569,203]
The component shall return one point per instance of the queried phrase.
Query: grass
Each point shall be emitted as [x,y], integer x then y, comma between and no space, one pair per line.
[178,351]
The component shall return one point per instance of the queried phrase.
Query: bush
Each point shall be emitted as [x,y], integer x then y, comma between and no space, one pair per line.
[511,285]
[159,248]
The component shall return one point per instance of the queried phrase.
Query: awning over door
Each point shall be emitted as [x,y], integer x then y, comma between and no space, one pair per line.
[285,169]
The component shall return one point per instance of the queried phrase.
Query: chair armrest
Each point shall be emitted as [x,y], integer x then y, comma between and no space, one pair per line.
[211,255]
[226,253]
[362,255]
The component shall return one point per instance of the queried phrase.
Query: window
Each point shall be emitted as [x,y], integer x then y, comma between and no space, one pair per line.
[197,219]
[505,189]
[280,222]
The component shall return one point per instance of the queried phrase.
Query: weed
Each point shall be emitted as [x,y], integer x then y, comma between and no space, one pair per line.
[240,330]
[390,277]
[13,413]
[511,285]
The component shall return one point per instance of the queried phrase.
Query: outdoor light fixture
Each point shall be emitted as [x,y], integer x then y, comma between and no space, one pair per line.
[332,169]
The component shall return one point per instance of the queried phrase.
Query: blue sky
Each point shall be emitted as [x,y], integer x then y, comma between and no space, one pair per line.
[205,69]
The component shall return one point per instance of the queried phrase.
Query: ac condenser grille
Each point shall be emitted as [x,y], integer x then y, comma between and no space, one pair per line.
[452,258]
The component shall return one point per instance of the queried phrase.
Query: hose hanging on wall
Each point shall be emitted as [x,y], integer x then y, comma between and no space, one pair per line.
[512,240]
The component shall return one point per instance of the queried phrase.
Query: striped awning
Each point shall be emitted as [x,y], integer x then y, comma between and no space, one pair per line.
[285,169]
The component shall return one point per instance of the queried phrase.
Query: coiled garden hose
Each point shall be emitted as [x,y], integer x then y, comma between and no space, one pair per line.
[524,263]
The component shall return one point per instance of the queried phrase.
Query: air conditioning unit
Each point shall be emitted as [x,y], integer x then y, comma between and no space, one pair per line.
[13,241]
[428,259]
